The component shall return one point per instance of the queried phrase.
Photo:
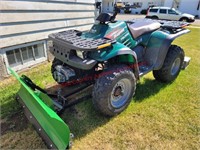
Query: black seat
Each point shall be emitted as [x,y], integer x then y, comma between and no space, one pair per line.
[140,27]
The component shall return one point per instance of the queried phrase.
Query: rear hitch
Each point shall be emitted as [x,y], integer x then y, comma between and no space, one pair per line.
[186,62]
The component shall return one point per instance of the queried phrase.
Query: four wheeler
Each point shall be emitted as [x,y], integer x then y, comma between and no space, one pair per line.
[115,54]
[108,60]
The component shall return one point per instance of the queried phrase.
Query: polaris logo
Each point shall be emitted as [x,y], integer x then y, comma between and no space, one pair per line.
[114,34]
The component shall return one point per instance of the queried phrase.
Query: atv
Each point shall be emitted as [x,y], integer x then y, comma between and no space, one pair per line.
[105,62]
[115,54]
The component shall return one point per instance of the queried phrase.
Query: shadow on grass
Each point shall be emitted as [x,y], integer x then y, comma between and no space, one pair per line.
[81,118]
[147,89]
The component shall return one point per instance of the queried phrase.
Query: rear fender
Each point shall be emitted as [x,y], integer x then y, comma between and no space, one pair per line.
[158,46]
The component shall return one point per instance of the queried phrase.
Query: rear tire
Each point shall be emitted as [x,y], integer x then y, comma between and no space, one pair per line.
[172,65]
[114,90]
[154,17]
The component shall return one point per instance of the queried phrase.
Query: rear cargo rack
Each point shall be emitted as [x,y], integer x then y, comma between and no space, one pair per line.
[173,26]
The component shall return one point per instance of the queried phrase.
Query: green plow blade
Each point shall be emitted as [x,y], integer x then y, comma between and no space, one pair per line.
[38,108]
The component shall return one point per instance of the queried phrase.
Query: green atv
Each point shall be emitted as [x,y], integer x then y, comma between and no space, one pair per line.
[106,62]
[113,55]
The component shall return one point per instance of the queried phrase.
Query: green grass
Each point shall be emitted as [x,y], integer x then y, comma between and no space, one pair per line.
[161,116]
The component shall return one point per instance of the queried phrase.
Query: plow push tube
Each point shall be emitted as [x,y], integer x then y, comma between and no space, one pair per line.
[39,111]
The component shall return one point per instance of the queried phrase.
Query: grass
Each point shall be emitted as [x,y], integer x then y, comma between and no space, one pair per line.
[161,116]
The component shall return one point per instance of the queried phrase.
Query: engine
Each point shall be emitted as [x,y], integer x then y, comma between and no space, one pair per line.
[63,74]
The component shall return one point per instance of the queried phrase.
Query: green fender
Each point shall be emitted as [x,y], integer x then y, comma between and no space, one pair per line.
[117,49]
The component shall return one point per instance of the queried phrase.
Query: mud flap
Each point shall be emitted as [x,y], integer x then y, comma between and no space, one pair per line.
[38,108]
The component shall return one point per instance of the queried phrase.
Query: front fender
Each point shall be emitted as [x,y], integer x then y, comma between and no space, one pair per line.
[117,49]
[112,51]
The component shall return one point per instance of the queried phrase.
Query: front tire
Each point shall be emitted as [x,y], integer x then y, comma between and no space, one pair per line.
[154,17]
[184,19]
[172,65]
[55,63]
[113,90]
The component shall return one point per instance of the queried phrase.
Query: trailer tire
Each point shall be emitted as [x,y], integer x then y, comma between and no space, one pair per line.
[172,65]
[113,90]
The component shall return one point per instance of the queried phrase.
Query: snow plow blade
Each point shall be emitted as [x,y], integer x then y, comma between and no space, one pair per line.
[38,108]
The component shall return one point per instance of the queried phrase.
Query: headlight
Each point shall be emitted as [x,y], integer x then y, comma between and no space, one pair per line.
[81,54]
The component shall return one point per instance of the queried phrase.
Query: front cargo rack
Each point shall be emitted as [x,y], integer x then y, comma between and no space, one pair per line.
[72,39]
[71,48]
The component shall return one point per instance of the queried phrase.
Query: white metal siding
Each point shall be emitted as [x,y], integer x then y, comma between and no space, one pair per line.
[189,6]
[185,6]
[24,21]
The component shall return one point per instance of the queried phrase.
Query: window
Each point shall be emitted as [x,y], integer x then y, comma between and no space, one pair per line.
[153,10]
[26,55]
[163,11]
[170,11]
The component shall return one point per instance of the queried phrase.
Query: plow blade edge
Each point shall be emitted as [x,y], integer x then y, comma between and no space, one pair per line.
[38,109]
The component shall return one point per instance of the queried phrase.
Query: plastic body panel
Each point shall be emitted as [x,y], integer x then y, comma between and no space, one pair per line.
[117,31]
[158,46]
[117,49]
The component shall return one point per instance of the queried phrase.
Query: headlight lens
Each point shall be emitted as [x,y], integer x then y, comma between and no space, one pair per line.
[79,53]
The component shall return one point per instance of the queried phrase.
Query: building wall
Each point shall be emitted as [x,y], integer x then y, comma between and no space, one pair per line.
[186,6]
[168,3]
[26,21]
[144,4]
[189,6]
[33,20]
[108,4]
